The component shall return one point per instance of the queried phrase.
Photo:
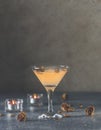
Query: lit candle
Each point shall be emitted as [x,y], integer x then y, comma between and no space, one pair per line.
[12,105]
[35,99]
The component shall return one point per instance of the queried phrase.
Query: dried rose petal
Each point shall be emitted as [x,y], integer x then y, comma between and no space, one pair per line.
[90,110]
[80,106]
[64,96]
[21,116]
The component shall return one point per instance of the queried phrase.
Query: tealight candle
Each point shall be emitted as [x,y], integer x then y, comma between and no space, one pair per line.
[13,105]
[34,99]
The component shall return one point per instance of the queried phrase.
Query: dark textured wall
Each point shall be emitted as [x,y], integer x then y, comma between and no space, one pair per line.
[51,32]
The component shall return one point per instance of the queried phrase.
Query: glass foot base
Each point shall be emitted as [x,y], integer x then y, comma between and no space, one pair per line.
[47,116]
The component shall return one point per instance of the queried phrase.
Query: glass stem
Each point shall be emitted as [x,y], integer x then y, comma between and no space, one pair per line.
[50,103]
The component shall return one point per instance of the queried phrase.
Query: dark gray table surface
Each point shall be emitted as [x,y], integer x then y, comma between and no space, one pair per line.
[77,121]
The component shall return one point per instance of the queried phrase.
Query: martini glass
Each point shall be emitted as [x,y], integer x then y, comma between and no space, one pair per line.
[50,77]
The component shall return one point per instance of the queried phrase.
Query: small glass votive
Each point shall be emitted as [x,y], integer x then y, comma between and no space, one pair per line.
[35,99]
[13,105]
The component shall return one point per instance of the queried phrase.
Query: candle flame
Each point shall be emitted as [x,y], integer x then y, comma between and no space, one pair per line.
[12,102]
[35,96]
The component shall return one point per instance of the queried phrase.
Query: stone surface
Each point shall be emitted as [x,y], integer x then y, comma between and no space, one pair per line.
[77,120]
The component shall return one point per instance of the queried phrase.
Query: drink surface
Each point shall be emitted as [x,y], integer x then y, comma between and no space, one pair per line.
[50,77]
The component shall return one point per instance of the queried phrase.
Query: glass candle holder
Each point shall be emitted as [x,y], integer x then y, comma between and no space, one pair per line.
[13,105]
[34,99]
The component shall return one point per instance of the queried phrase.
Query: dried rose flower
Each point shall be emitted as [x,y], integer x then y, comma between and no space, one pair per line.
[66,107]
[40,69]
[90,110]
[21,116]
